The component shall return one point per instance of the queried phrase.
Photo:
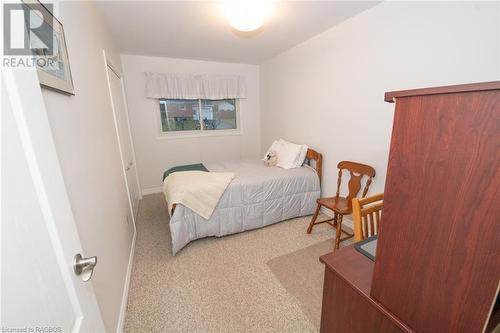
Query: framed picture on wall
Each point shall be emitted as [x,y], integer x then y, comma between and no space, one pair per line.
[48,45]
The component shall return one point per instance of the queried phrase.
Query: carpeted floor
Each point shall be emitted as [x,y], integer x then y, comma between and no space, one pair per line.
[301,273]
[217,284]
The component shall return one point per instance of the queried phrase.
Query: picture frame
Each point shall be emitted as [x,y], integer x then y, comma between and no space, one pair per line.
[53,69]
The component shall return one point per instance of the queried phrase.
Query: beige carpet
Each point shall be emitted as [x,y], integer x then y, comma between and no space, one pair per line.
[215,284]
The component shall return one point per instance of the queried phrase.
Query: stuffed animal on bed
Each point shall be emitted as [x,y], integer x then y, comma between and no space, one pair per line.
[271,158]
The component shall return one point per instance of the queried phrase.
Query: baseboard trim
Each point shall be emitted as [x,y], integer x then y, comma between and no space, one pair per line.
[126,287]
[151,190]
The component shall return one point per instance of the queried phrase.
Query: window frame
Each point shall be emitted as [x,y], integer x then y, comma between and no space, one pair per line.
[195,133]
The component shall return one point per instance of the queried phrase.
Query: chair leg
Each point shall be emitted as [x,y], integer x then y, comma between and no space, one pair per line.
[335,218]
[313,220]
[338,232]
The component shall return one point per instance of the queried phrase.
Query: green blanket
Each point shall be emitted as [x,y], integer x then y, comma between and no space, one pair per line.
[189,167]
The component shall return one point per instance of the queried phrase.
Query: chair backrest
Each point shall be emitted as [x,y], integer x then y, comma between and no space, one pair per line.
[357,171]
[366,215]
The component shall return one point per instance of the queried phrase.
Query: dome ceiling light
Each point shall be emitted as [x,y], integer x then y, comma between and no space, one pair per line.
[247,15]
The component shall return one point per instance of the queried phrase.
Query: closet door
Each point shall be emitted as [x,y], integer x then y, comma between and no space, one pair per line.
[124,137]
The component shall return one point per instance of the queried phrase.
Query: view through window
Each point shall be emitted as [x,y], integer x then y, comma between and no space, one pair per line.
[197,115]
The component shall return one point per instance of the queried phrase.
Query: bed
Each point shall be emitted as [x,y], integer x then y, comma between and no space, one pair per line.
[257,196]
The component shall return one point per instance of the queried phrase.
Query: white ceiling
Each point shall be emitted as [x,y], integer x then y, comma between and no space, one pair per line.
[198,29]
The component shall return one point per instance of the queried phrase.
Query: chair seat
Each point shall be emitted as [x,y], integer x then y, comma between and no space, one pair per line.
[340,205]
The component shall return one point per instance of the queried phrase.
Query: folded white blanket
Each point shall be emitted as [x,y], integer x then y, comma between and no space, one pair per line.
[198,190]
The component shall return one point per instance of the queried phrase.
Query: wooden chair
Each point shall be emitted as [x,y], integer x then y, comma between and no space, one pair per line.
[366,215]
[343,205]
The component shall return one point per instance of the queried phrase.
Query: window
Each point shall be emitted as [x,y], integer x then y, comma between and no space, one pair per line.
[197,115]
[179,115]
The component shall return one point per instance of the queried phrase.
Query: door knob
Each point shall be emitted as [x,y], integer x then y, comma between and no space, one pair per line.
[84,266]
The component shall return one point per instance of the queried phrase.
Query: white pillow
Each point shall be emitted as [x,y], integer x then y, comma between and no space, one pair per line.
[302,156]
[276,146]
[291,155]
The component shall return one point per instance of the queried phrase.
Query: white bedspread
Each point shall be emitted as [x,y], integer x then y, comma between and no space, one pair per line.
[256,197]
[199,191]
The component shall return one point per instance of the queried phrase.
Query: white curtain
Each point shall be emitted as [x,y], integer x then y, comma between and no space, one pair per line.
[189,86]
[174,86]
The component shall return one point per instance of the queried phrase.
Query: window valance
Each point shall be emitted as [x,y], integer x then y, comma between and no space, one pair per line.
[189,86]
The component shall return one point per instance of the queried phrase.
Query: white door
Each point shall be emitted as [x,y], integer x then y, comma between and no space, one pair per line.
[124,136]
[39,240]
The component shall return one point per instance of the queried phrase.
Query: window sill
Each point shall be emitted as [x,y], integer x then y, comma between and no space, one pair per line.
[196,134]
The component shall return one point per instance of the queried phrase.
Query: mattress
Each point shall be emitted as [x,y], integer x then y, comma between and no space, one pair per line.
[258,196]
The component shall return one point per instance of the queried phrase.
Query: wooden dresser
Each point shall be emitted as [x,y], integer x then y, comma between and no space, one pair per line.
[437,266]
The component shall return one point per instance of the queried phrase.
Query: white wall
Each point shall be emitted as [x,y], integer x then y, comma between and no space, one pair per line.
[154,154]
[86,143]
[328,91]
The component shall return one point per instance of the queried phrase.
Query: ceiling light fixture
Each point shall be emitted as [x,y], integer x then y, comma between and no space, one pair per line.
[247,15]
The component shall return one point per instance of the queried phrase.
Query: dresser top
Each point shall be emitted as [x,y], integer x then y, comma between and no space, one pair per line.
[483,86]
